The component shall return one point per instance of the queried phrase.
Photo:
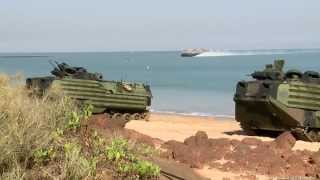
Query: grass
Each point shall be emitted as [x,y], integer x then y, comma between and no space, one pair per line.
[26,123]
[46,138]
[127,163]
[76,165]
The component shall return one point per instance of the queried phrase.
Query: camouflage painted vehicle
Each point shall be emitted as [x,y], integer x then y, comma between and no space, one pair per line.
[117,99]
[277,101]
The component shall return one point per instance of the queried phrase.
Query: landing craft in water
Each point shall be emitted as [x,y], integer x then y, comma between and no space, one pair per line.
[191,52]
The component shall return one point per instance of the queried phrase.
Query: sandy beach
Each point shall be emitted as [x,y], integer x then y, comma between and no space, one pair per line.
[178,127]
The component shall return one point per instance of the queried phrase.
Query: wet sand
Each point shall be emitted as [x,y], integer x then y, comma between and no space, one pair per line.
[178,127]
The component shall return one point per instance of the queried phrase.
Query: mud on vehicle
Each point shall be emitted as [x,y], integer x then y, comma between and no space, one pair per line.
[276,101]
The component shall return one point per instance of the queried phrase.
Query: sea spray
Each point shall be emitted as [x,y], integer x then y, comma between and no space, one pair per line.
[219,53]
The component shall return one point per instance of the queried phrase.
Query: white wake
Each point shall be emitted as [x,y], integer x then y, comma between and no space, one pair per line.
[219,53]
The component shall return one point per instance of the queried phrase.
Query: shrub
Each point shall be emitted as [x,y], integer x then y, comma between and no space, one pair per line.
[16,173]
[146,169]
[146,150]
[87,111]
[43,155]
[37,134]
[117,150]
[75,117]
[127,162]
[98,144]
[74,121]
[77,166]
[140,168]
[27,123]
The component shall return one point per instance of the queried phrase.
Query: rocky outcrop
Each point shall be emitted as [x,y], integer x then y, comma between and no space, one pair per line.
[272,158]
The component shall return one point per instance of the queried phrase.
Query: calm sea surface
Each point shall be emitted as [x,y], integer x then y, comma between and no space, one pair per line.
[200,85]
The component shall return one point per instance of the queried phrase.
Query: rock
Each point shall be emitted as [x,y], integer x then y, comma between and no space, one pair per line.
[251,141]
[315,158]
[296,165]
[100,121]
[285,141]
[275,158]
[184,154]
[199,139]
[277,168]
[218,149]
[141,138]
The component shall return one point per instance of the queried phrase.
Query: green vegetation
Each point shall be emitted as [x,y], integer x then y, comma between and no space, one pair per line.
[76,165]
[48,138]
[26,125]
[43,155]
[128,164]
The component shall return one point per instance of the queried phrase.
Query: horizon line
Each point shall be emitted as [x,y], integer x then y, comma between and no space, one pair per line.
[133,51]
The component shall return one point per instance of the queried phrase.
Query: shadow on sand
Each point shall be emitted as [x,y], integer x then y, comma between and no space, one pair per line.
[260,133]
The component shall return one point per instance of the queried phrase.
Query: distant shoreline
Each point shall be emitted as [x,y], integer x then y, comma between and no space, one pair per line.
[22,56]
[151,50]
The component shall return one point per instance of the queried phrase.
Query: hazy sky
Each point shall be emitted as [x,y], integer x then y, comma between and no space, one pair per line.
[103,25]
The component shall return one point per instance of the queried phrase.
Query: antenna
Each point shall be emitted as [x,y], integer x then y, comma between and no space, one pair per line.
[52,64]
[125,76]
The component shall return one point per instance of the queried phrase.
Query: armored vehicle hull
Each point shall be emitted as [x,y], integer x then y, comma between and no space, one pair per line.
[276,101]
[117,99]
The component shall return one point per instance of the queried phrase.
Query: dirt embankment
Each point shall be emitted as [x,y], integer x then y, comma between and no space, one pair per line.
[244,156]
[275,158]
[170,169]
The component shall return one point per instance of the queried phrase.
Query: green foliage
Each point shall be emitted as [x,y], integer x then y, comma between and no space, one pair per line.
[74,121]
[35,139]
[127,163]
[146,150]
[43,155]
[75,118]
[140,168]
[98,144]
[77,166]
[87,111]
[146,169]
[57,135]
[59,132]
[27,126]
[117,150]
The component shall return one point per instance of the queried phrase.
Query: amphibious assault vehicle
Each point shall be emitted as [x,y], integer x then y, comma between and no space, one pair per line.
[118,99]
[276,101]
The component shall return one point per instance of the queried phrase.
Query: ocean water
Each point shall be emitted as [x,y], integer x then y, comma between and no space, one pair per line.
[202,85]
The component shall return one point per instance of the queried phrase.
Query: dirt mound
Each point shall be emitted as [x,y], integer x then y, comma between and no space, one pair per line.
[275,158]
[169,169]
[109,128]
[285,141]
[100,121]
[141,138]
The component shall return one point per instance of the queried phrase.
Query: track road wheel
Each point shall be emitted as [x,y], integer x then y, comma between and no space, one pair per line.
[117,121]
[313,135]
[116,116]
[247,129]
[135,116]
[108,116]
[146,116]
[126,116]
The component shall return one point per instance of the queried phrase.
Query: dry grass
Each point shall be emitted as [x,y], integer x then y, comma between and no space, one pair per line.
[26,124]
[47,138]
